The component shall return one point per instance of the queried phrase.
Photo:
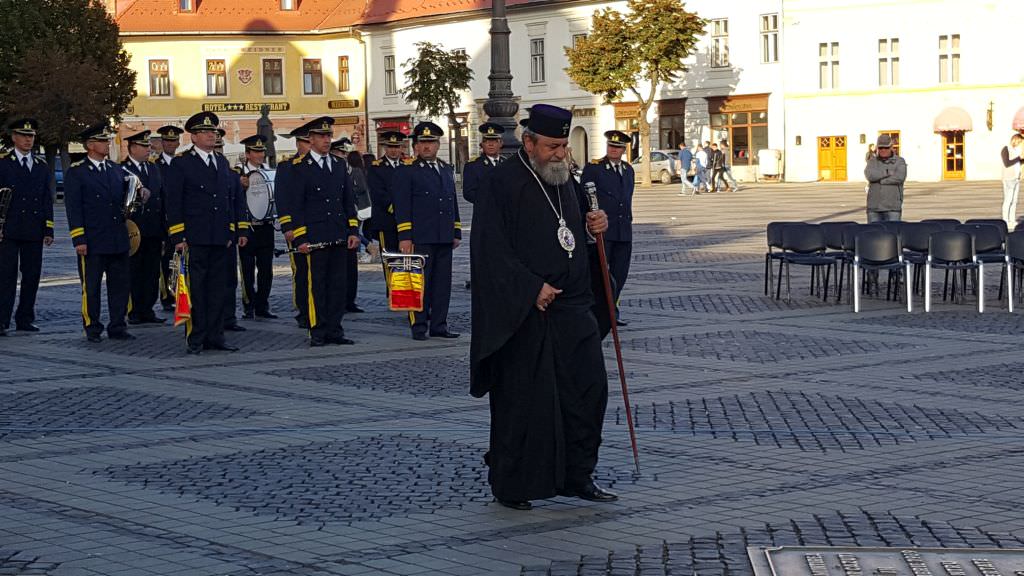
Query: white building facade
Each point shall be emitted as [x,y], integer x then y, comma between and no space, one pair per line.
[943,77]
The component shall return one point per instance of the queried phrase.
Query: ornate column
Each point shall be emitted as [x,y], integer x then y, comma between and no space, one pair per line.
[501,107]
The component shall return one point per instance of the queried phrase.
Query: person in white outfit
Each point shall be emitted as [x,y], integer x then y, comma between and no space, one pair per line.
[1011,156]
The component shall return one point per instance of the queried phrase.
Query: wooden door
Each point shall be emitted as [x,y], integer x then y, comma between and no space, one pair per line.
[953,156]
[832,158]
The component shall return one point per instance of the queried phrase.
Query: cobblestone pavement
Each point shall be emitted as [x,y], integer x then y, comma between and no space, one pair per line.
[760,422]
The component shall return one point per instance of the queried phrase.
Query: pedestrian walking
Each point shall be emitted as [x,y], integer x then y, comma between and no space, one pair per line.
[685,169]
[715,159]
[700,171]
[886,173]
[1011,156]
[726,171]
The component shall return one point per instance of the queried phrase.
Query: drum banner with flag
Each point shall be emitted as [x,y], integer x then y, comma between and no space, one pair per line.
[182,300]
[406,292]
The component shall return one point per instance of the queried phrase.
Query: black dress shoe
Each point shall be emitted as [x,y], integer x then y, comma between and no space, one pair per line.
[267,315]
[317,342]
[235,328]
[591,492]
[354,309]
[515,504]
[121,336]
[444,334]
[27,327]
[220,346]
[248,315]
[93,338]
[340,340]
[419,337]
[621,323]
[194,349]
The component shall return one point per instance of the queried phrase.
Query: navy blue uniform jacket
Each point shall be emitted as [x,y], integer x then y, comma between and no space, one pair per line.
[426,208]
[322,202]
[202,206]
[614,196]
[150,219]
[30,214]
[473,174]
[94,201]
[380,177]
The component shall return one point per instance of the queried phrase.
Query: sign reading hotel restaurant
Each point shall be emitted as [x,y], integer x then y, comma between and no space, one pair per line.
[341,104]
[870,561]
[245,106]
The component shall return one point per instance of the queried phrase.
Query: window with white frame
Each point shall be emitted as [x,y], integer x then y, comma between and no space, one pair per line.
[390,80]
[159,78]
[577,38]
[312,77]
[343,74]
[888,61]
[273,77]
[949,58]
[216,78]
[537,61]
[769,38]
[720,43]
[828,65]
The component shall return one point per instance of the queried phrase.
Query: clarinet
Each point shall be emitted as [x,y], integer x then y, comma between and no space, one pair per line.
[312,247]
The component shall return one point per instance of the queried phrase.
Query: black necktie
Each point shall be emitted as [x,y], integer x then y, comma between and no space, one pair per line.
[209,162]
[144,171]
[24,163]
[325,165]
[434,166]
[102,167]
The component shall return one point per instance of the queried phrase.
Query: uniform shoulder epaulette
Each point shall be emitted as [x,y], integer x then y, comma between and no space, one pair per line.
[77,164]
[298,159]
[375,163]
[475,158]
[237,170]
[408,161]
[153,160]
[180,154]
[598,161]
[39,159]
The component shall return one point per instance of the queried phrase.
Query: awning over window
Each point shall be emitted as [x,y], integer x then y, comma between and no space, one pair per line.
[953,119]
[1018,120]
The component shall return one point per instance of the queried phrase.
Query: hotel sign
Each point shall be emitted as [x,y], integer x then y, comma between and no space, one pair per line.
[245,106]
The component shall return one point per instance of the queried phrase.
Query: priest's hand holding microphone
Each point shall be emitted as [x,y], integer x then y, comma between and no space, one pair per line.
[597,223]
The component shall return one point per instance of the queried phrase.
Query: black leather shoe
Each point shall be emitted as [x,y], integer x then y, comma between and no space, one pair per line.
[354,309]
[235,328]
[196,349]
[621,323]
[317,342]
[121,336]
[248,315]
[340,340]
[419,337]
[267,315]
[27,328]
[135,321]
[444,334]
[515,504]
[94,338]
[220,346]
[591,492]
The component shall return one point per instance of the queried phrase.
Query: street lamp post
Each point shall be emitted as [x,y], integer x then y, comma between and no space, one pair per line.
[501,106]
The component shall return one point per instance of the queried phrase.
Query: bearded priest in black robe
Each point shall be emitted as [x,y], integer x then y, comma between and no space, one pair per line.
[536,346]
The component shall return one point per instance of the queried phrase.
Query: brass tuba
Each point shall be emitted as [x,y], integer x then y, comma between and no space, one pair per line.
[132,206]
[5,204]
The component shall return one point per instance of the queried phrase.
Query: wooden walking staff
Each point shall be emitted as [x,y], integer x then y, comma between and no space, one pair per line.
[591,190]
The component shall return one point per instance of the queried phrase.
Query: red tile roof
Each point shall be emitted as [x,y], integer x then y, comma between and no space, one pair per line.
[261,16]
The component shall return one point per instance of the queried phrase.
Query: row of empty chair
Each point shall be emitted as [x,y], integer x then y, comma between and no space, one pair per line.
[909,251]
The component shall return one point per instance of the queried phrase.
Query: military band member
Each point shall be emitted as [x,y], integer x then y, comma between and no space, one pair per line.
[257,257]
[94,199]
[339,149]
[170,141]
[237,195]
[29,226]
[145,263]
[481,166]
[427,212]
[613,177]
[203,221]
[380,175]
[323,212]
[283,193]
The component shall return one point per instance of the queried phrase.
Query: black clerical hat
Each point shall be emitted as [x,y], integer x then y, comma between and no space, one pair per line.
[548,120]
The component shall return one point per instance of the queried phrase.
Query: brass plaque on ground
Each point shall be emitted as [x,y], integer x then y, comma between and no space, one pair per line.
[854,561]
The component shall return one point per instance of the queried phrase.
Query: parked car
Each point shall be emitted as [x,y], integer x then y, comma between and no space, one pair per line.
[664,166]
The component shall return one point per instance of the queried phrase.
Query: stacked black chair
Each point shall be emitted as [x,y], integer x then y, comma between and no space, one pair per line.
[833,232]
[914,237]
[988,242]
[999,223]
[945,223]
[1014,266]
[877,250]
[804,245]
[773,233]
[952,250]
[850,233]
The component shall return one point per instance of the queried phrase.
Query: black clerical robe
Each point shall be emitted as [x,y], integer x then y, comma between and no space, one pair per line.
[544,371]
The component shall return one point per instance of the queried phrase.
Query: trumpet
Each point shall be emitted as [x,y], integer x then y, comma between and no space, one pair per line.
[5,204]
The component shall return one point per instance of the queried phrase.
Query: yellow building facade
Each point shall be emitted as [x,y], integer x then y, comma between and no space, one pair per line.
[300,77]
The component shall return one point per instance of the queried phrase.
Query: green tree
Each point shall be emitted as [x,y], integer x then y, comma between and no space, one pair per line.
[637,52]
[435,80]
[61,61]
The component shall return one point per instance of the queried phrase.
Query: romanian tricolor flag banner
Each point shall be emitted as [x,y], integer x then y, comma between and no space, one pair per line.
[182,300]
[405,283]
